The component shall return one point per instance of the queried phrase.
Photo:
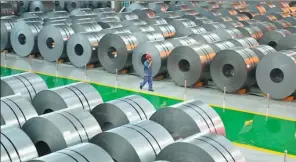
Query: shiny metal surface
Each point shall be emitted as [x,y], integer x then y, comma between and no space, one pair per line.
[40,14]
[246,42]
[265,26]
[230,33]
[282,24]
[6,26]
[182,13]
[190,63]
[109,24]
[199,20]
[263,50]
[145,13]
[138,5]
[234,69]
[121,111]
[292,29]
[139,142]
[143,37]
[106,15]
[128,16]
[251,31]
[72,5]
[159,51]
[222,45]
[158,6]
[23,38]
[45,6]
[156,21]
[167,30]
[181,26]
[189,118]
[52,46]
[214,26]
[140,28]
[16,145]
[105,9]
[234,24]
[133,22]
[80,152]
[76,95]
[86,27]
[287,42]
[222,18]
[292,20]
[82,11]
[115,52]
[240,17]
[169,15]
[26,84]
[182,41]
[16,110]
[275,74]
[206,148]
[206,37]
[61,129]
[272,38]
[194,30]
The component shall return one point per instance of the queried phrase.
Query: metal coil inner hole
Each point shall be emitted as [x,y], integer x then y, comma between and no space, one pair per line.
[277,75]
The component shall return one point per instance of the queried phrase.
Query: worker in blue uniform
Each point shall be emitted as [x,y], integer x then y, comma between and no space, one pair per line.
[147,73]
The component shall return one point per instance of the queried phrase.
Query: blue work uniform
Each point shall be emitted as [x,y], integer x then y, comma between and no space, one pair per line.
[147,75]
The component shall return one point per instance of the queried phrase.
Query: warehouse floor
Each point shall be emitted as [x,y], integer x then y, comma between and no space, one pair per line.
[243,103]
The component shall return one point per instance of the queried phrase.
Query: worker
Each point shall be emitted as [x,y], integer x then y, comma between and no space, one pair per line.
[147,73]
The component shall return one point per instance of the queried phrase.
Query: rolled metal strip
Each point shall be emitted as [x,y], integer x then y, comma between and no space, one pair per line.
[251,22]
[240,17]
[67,128]
[107,15]
[6,9]
[59,5]
[159,51]
[257,8]
[82,48]
[287,42]
[40,14]
[31,19]
[130,109]
[194,30]
[158,6]
[292,20]
[272,38]
[82,11]
[182,41]
[26,84]
[61,21]
[230,33]
[252,31]
[208,13]
[53,47]
[223,45]
[140,28]
[234,24]
[251,15]
[210,147]
[142,141]
[263,50]
[206,37]
[23,6]
[109,24]
[86,27]
[16,110]
[190,63]
[282,24]
[145,13]
[275,79]
[58,14]
[143,37]
[115,30]
[72,5]
[268,18]
[281,15]
[292,29]
[6,27]
[133,22]
[210,5]
[44,6]
[196,117]
[16,145]
[228,11]
[105,9]
[127,16]
[77,95]
[169,15]
[23,38]
[181,26]
[156,21]
[199,20]
[238,69]
[265,26]
[214,26]
[178,7]
[247,42]
[222,18]
[136,6]
[182,13]
[115,52]
[167,30]
[80,152]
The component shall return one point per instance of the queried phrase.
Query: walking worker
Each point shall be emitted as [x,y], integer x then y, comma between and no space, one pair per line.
[147,73]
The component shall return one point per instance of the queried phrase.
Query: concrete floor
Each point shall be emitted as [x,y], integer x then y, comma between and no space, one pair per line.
[166,87]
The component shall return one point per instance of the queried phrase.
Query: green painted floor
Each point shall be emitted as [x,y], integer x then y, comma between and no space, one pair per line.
[245,128]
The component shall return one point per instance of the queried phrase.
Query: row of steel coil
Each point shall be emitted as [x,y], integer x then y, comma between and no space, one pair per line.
[72,123]
[194,43]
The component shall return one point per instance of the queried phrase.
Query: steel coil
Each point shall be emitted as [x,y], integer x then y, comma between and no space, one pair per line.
[16,145]
[158,6]
[206,37]
[143,37]
[252,31]
[80,152]
[222,18]
[156,21]
[249,23]
[223,45]
[82,19]
[13,17]
[234,69]
[23,6]
[272,38]
[145,13]
[115,30]
[189,118]
[86,27]
[181,26]
[82,48]
[240,17]
[167,30]
[45,6]
[127,16]
[292,20]
[292,29]
[109,24]
[263,50]
[282,24]
[209,5]
[199,20]
[141,142]
[269,18]
[246,42]
[130,109]
[53,47]
[6,27]
[140,28]
[251,15]
[187,12]
[169,15]
[67,128]
[59,5]
[23,38]
[107,15]
[30,19]
[34,14]
[6,9]
[178,7]
[159,51]
[257,8]
[16,110]
[214,26]
[190,63]
[206,148]
[58,14]
[287,42]
[136,6]
[72,5]
[106,9]
[133,22]
[61,21]
[227,11]
[275,79]
[208,13]
[281,15]
[116,51]
[82,11]
[230,33]
[234,24]
[77,95]
[265,26]
[194,30]
[182,41]
[26,84]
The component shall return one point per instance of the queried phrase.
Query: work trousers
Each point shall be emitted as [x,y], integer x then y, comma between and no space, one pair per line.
[147,79]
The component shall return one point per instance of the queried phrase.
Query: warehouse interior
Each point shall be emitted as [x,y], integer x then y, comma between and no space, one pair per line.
[224,80]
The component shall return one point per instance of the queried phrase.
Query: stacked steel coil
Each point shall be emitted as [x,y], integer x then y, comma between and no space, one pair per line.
[287,42]
[77,95]
[167,30]
[130,109]
[68,127]
[16,110]
[27,84]
[251,31]
[272,38]
[206,37]
[231,33]
[222,45]
[199,20]
[247,42]
[6,26]
[143,37]
[181,26]
[133,22]
[145,13]
[140,28]
[156,21]
[263,50]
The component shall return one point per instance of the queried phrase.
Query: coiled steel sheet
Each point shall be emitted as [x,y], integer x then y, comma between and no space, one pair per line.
[230,33]
[133,22]
[222,45]
[251,31]
[246,42]
[265,26]
[72,5]
[272,38]
[292,29]
[181,26]
[206,37]
[82,12]
[6,26]
[282,24]
[156,21]
[167,30]
[143,37]
[58,14]
[109,24]
[140,28]
[44,6]
[136,6]
[199,20]
[59,5]
[86,27]
[234,24]
[169,15]
[145,13]
[158,6]
[214,26]
[128,16]
[263,50]
[287,42]
[182,13]
[240,17]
